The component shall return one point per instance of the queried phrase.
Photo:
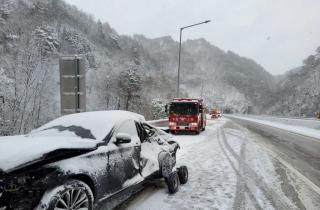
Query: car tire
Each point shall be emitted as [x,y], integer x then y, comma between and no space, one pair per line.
[57,197]
[165,163]
[173,182]
[183,174]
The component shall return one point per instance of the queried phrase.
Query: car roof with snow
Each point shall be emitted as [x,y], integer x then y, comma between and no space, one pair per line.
[99,123]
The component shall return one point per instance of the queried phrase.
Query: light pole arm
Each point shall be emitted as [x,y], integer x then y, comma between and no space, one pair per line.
[207,21]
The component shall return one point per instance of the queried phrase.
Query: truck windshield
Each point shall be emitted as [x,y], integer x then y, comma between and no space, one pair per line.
[183,108]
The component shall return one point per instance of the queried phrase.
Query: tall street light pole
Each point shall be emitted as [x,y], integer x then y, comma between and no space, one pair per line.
[207,21]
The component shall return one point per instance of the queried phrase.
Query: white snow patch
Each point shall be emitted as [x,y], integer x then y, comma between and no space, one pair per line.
[99,123]
[19,150]
[136,179]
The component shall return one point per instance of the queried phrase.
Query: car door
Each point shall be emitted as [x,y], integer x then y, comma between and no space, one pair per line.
[150,149]
[123,159]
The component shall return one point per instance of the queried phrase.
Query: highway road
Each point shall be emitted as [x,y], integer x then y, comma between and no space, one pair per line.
[239,164]
[302,152]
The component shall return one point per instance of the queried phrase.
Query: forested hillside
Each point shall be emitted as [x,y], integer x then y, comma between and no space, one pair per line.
[298,94]
[122,72]
[225,79]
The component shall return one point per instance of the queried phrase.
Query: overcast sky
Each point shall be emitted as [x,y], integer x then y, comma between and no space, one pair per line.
[278,34]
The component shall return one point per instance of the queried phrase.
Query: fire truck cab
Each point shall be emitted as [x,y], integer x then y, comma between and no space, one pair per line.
[186,114]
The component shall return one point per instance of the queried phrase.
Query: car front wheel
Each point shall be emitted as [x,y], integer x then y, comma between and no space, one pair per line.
[166,164]
[73,195]
[173,182]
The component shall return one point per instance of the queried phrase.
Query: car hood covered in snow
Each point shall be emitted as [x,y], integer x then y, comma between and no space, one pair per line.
[20,151]
[99,123]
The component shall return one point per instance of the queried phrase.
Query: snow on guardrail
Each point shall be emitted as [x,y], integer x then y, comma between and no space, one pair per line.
[159,123]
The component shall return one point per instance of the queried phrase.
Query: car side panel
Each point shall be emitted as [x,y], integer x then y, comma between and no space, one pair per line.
[123,159]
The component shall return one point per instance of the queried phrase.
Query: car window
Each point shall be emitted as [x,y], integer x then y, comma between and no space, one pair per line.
[129,127]
[141,132]
[150,131]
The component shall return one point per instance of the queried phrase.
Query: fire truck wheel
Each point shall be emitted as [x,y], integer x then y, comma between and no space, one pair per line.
[198,131]
[203,128]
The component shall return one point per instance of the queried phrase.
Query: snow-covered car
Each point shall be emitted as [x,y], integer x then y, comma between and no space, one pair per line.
[78,160]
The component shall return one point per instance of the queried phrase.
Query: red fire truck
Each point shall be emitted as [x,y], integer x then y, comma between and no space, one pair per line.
[186,114]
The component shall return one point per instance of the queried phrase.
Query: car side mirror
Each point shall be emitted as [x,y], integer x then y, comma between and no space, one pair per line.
[166,108]
[123,138]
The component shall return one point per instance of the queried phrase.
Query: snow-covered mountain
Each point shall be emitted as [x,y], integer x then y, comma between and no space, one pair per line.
[298,93]
[122,72]
[224,79]
[286,74]
[33,34]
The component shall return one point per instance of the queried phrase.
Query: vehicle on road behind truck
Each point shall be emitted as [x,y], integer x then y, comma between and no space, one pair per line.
[215,113]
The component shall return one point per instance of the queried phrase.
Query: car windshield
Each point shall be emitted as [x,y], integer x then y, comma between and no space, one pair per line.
[70,131]
[183,108]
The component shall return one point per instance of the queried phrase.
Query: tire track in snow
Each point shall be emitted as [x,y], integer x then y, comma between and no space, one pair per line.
[259,182]
[209,187]
[297,173]
[191,191]
[239,200]
[242,187]
[307,164]
[305,171]
[293,150]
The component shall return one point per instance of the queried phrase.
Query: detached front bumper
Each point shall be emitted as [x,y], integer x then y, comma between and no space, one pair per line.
[24,191]
[20,199]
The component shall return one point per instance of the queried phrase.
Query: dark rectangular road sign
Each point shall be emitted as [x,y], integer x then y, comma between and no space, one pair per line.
[72,84]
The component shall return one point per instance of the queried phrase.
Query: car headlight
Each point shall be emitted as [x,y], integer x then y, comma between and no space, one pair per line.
[193,124]
[172,123]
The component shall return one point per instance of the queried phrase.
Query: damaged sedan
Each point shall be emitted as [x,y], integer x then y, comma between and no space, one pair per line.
[79,160]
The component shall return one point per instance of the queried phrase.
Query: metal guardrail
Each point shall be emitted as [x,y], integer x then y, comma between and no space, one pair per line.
[159,123]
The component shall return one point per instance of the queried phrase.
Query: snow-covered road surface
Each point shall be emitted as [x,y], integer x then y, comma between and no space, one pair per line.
[230,168]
